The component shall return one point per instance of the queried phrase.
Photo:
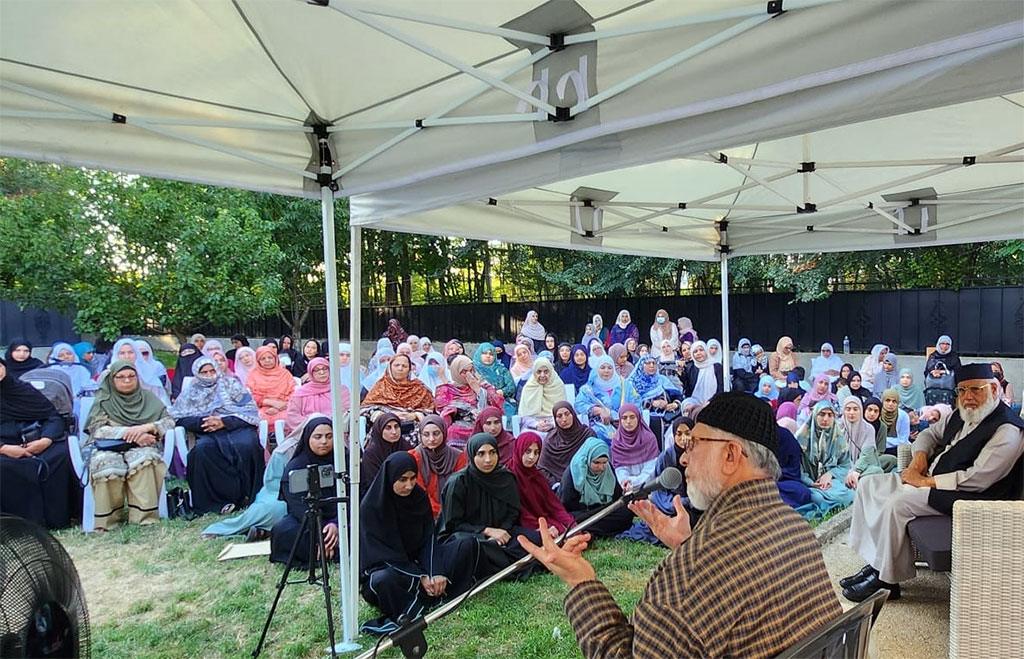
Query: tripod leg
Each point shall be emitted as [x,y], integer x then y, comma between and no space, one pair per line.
[325,582]
[281,585]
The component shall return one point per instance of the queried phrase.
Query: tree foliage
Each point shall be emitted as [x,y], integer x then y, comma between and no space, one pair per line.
[134,254]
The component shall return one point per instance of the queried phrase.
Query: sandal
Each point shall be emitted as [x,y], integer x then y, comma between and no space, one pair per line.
[227,509]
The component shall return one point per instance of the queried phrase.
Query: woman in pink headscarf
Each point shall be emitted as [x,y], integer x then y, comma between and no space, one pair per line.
[314,396]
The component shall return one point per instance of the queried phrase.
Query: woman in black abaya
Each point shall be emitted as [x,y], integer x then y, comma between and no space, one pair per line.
[403,569]
[35,470]
[316,447]
[482,502]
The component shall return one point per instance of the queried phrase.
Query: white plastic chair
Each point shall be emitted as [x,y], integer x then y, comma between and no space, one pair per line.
[81,469]
[570,394]
[517,425]
[264,433]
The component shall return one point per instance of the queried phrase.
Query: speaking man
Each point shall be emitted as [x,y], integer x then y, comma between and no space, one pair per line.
[974,453]
[749,581]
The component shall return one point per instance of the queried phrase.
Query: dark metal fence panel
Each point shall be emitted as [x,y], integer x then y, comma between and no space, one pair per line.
[982,321]
[39,327]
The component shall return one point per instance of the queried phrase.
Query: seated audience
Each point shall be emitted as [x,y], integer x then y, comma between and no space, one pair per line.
[19,358]
[595,350]
[714,350]
[620,358]
[401,394]
[315,448]
[767,392]
[820,391]
[703,377]
[237,341]
[825,462]
[267,508]
[87,356]
[522,365]
[489,422]
[783,360]
[533,331]
[315,395]
[894,420]
[940,373]
[271,386]
[435,460]
[742,367]
[664,329]
[843,380]
[63,356]
[403,569]
[562,442]
[434,372]
[225,467]
[888,377]
[588,485]
[481,502]
[865,442]
[911,394]
[310,351]
[634,449]
[578,371]
[873,364]
[600,400]
[490,368]
[624,328]
[35,467]
[187,356]
[975,453]
[539,394]
[657,394]
[535,496]
[125,429]
[383,439]
[827,363]
[460,401]
[854,388]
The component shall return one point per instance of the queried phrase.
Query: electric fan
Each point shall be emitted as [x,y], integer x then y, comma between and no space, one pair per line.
[42,607]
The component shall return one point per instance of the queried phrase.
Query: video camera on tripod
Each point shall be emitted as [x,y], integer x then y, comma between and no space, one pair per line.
[313,479]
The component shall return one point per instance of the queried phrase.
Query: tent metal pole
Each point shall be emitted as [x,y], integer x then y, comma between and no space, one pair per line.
[355,308]
[349,603]
[441,56]
[515,117]
[712,17]
[726,372]
[669,63]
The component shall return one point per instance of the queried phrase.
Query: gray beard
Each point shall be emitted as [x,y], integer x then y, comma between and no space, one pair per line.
[977,415]
[701,491]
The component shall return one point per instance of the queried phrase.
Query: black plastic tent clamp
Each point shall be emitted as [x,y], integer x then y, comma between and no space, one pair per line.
[557,41]
[970,160]
[119,118]
[775,7]
[324,180]
[807,208]
[806,167]
[561,114]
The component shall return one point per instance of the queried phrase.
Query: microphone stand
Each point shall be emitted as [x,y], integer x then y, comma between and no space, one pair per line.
[409,637]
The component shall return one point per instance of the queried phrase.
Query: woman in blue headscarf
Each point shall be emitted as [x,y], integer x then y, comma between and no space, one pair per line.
[87,357]
[742,366]
[767,392]
[578,371]
[599,400]
[657,394]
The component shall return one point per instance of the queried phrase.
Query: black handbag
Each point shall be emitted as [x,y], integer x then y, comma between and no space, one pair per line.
[179,504]
[31,432]
[115,445]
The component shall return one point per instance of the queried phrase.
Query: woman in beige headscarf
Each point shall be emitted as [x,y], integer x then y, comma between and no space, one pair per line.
[664,329]
[539,395]
[783,360]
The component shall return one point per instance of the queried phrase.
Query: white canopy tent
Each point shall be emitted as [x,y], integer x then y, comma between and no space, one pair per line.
[415,108]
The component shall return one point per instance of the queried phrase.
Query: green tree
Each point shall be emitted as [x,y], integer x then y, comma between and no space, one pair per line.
[134,254]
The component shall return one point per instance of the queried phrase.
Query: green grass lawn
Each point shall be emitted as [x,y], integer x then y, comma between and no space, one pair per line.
[158,591]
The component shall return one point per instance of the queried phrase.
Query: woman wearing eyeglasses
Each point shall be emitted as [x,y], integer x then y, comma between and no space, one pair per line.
[314,396]
[125,429]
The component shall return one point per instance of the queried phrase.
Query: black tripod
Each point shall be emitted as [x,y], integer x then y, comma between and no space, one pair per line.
[313,521]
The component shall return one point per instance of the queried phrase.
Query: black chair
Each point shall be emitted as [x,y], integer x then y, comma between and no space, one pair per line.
[932,537]
[846,637]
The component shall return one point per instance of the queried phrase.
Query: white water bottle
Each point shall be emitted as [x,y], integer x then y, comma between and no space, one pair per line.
[846,345]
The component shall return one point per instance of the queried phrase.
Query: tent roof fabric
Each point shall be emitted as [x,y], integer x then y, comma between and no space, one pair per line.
[428,107]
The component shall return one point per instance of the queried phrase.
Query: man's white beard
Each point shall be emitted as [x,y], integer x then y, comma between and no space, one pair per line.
[978,414]
[701,490]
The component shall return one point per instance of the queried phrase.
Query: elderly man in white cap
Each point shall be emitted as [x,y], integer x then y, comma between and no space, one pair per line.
[975,453]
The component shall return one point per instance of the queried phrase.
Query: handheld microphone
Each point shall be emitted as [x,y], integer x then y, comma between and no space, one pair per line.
[669,479]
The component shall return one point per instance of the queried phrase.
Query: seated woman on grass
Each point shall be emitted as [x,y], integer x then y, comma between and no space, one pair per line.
[125,430]
[588,485]
[535,496]
[634,449]
[403,569]
[316,447]
[435,460]
[482,502]
[825,463]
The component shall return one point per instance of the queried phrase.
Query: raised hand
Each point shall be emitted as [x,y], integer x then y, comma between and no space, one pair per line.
[672,531]
[566,562]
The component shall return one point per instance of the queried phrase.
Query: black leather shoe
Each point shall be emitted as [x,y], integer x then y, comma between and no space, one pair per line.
[865,589]
[865,572]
